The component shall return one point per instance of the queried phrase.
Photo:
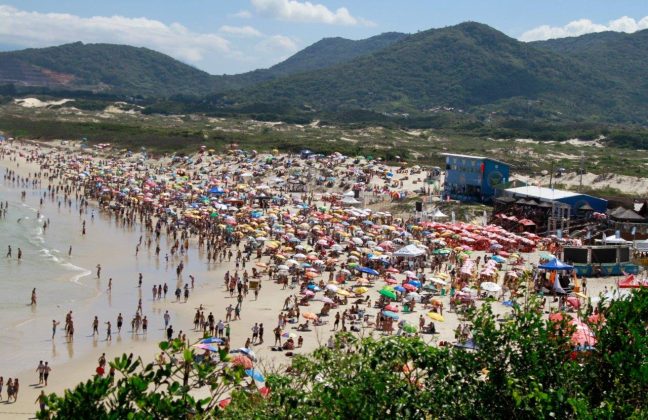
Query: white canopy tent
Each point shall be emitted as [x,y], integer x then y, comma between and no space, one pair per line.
[409,251]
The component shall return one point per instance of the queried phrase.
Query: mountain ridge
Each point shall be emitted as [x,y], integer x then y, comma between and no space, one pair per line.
[469,66]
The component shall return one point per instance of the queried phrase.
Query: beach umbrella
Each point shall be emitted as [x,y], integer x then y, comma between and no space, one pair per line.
[245,351]
[415,283]
[343,292]
[332,287]
[224,403]
[361,290]
[388,293]
[391,280]
[399,288]
[439,281]
[435,316]
[489,286]
[327,300]
[309,293]
[413,295]
[408,286]
[310,315]
[242,361]
[391,308]
[255,374]
[204,346]
[574,302]
[368,270]
[409,328]
[212,340]
[390,314]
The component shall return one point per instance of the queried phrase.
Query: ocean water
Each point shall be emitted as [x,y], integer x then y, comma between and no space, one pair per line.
[65,283]
[44,265]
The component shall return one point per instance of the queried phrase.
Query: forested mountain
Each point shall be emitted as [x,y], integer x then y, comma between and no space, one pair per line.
[467,65]
[622,57]
[470,66]
[102,67]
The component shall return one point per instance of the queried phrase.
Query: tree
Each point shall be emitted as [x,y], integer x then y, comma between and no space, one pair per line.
[183,386]
[524,366]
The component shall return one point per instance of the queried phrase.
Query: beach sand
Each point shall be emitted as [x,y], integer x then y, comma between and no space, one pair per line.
[114,248]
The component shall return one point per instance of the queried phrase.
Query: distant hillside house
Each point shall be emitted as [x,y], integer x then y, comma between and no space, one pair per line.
[473,178]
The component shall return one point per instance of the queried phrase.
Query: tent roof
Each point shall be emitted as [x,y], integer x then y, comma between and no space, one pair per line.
[627,215]
[541,192]
[409,251]
[555,264]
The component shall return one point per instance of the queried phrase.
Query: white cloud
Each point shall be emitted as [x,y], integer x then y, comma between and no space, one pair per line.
[34,29]
[305,11]
[277,43]
[245,31]
[584,26]
[242,14]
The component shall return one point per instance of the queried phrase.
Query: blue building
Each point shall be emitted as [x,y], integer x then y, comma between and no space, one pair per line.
[473,178]
[576,201]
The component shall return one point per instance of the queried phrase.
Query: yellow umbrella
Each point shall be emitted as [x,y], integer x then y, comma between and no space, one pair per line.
[361,290]
[343,292]
[435,316]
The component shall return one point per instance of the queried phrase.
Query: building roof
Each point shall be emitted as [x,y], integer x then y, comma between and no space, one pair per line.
[474,157]
[542,193]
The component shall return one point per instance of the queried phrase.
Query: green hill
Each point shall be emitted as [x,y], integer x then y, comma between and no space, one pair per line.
[139,71]
[623,57]
[102,67]
[323,54]
[469,65]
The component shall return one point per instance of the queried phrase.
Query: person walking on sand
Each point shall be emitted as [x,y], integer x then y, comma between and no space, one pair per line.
[167,319]
[108,331]
[41,400]
[19,254]
[9,251]
[55,324]
[98,271]
[46,371]
[33,296]
[110,284]
[95,326]
[40,370]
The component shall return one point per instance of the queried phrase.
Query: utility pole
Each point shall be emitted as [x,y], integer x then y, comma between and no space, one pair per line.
[551,173]
[581,170]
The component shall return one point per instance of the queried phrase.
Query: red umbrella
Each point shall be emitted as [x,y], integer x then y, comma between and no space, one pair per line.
[556,317]
[583,338]
[574,302]
[596,318]
[410,287]
[242,361]
[392,308]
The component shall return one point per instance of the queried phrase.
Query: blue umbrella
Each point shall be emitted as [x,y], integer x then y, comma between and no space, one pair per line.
[498,259]
[255,374]
[415,283]
[314,288]
[211,340]
[390,314]
[368,270]
[399,288]
[508,303]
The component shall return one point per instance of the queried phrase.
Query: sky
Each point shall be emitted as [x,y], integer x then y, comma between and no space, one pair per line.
[234,36]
